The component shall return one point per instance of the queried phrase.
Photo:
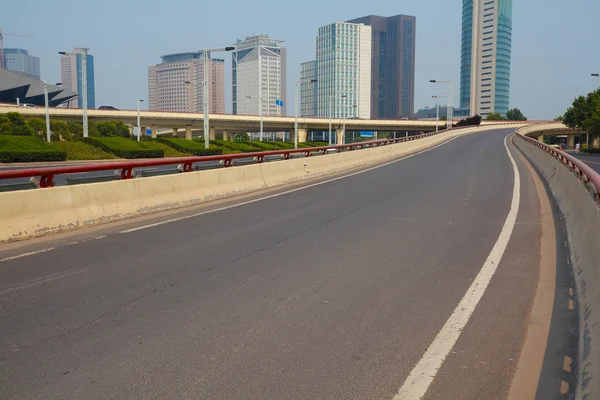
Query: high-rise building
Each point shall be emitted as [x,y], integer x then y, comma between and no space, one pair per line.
[344,70]
[309,89]
[485,56]
[18,60]
[71,76]
[259,76]
[177,83]
[392,65]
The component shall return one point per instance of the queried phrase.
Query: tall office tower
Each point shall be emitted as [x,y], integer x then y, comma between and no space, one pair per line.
[177,83]
[485,57]
[71,76]
[259,76]
[309,89]
[344,70]
[18,60]
[392,65]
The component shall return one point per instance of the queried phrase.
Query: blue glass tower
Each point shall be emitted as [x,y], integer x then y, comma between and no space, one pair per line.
[91,87]
[486,56]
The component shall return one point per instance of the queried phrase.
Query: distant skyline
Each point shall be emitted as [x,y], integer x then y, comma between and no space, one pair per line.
[552,56]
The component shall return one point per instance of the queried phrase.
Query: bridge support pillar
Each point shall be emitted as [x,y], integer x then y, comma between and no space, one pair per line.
[188,132]
[340,133]
[302,135]
[570,141]
[174,132]
[212,133]
[541,138]
[225,135]
[153,127]
[596,142]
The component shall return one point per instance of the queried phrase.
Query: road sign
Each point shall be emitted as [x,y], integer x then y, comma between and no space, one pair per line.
[368,134]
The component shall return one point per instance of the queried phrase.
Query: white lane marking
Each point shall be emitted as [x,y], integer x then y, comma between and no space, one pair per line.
[26,254]
[421,377]
[280,194]
[31,253]
[48,279]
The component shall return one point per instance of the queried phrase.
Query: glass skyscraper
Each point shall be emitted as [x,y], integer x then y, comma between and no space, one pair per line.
[72,76]
[485,56]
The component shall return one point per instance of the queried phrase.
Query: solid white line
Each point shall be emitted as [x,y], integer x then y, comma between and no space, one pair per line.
[421,377]
[26,254]
[280,194]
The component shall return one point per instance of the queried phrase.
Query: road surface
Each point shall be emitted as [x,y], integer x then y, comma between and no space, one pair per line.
[335,291]
[592,160]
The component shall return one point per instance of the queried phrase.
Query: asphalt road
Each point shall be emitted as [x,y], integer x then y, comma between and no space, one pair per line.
[331,292]
[593,160]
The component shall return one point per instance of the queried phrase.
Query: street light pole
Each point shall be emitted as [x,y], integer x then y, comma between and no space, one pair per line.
[450,103]
[48,133]
[437,112]
[297,101]
[139,130]
[330,116]
[205,110]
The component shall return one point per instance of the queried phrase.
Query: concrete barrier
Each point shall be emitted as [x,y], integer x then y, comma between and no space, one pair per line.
[26,214]
[581,213]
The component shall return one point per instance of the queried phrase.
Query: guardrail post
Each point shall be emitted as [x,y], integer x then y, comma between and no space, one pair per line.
[127,173]
[46,181]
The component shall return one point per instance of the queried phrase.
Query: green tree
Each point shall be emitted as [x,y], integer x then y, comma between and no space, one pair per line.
[383,135]
[515,115]
[242,136]
[559,118]
[592,124]
[106,129]
[19,128]
[5,125]
[582,109]
[60,131]
[443,118]
[75,129]
[495,117]
[37,126]
[121,129]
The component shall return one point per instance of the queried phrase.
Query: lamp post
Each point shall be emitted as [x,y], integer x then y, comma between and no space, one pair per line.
[437,112]
[205,93]
[297,106]
[450,113]
[84,93]
[139,132]
[48,132]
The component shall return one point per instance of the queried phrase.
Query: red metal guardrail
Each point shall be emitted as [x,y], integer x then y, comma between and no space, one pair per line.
[585,174]
[127,167]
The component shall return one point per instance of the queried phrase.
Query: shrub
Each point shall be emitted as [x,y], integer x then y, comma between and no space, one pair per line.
[469,121]
[591,150]
[19,128]
[124,148]
[75,129]
[111,129]
[27,149]
[5,125]
[59,129]
[189,146]
[37,126]
[242,136]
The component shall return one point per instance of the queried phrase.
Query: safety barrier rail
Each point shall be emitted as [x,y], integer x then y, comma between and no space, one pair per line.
[186,164]
[585,174]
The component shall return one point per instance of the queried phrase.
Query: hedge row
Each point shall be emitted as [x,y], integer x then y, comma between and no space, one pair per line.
[190,147]
[592,151]
[121,149]
[11,156]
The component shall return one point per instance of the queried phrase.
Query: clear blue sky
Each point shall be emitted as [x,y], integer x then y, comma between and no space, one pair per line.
[556,44]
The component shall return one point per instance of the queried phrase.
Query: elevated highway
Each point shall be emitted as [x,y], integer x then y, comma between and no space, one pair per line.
[438,274]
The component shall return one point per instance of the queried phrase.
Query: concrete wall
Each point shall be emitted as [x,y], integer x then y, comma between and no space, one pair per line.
[582,218]
[32,213]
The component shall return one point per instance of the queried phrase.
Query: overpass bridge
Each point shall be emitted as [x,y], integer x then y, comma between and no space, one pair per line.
[229,124]
[432,268]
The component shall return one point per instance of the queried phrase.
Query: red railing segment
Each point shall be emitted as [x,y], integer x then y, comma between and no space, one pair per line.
[127,168]
[585,174]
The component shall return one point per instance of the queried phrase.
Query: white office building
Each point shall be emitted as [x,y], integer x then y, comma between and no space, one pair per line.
[344,70]
[259,76]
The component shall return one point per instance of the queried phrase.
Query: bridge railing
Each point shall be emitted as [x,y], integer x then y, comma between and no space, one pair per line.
[46,175]
[585,174]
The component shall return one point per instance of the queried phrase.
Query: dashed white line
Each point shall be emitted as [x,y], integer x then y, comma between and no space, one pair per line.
[31,253]
[423,374]
[47,279]
[282,193]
